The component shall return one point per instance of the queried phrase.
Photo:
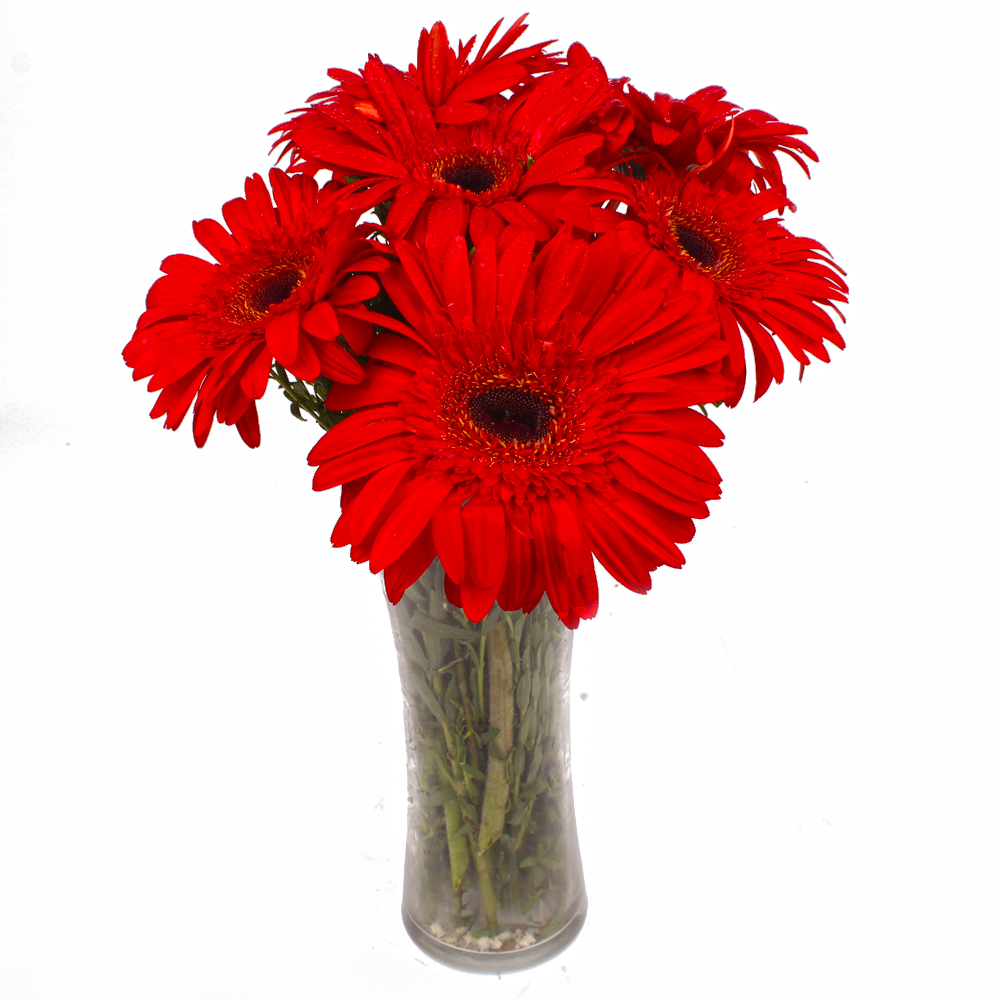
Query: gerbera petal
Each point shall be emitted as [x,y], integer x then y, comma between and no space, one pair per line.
[485,222]
[549,555]
[453,591]
[408,520]
[484,281]
[521,216]
[511,273]
[396,350]
[283,337]
[192,269]
[668,476]
[635,524]
[357,288]
[176,398]
[377,492]
[249,427]
[255,376]
[334,362]
[460,114]
[381,385]
[449,539]
[356,431]
[680,454]
[477,602]
[356,329]
[363,462]
[616,552]
[559,281]
[519,574]
[682,424]
[447,221]
[306,365]
[457,282]
[407,203]
[409,566]
[485,530]
[617,325]
[561,159]
[215,239]
[321,322]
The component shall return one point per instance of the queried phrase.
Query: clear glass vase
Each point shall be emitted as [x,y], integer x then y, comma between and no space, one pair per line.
[493,880]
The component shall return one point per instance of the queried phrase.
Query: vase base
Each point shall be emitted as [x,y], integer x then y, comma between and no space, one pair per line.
[467,960]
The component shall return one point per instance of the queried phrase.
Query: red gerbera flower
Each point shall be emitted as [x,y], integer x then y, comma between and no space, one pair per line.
[534,415]
[715,138]
[766,282]
[455,88]
[479,150]
[277,293]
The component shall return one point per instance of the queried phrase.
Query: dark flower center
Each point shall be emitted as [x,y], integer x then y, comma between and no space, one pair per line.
[697,246]
[474,177]
[274,288]
[510,414]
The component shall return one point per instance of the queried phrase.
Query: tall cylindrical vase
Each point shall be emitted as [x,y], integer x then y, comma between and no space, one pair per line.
[493,880]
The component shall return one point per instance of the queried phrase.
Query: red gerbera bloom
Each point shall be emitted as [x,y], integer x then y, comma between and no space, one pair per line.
[480,150]
[534,415]
[456,89]
[766,282]
[714,138]
[278,292]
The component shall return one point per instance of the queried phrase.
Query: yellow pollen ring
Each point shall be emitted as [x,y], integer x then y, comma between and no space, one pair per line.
[265,286]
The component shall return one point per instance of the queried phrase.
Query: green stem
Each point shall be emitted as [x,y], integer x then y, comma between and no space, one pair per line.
[497,791]
[438,686]
[480,670]
[524,825]
[486,887]
[470,718]
[458,851]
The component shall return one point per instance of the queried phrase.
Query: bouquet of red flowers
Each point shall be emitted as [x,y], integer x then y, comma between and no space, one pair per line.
[507,287]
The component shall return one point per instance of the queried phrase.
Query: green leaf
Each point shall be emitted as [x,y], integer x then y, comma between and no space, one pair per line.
[518,629]
[550,864]
[451,703]
[429,626]
[523,692]
[473,772]
[458,850]
[432,703]
[414,651]
[518,817]
[531,903]
[535,788]
[487,736]
[296,412]
[519,756]
[491,619]
[529,862]
[536,764]
[528,724]
[497,754]
[497,790]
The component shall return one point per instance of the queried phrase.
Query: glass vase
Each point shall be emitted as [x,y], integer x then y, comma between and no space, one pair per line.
[493,880]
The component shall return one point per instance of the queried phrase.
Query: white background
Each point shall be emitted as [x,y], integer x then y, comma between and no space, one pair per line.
[788,764]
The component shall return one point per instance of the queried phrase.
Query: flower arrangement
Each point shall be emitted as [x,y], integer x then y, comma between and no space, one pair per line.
[507,287]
